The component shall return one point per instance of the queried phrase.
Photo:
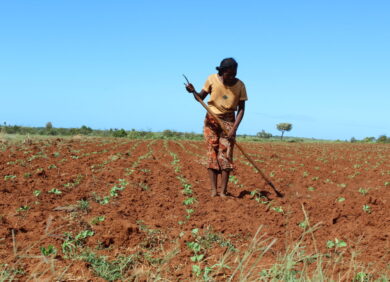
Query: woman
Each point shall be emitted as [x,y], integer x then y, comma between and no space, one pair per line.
[227,95]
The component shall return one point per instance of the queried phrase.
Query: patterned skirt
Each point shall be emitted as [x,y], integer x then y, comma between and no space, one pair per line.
[219,148]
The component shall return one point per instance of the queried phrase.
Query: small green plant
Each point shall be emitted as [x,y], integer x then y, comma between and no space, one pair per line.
[37,193]
[23,208]
[335,244]
[189,201]
[27,175]
[50,250]
[362,277]
[9,177]
[341,199]
[278,209]
[367,208]
[54,191]
[98,219]
[311,188]
[233,179]
[387,183]
[303,224]
[363,191]
[52,166]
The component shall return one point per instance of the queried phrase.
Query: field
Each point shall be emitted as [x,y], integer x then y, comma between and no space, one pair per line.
[111,209]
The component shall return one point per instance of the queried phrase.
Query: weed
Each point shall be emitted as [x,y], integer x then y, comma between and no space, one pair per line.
[27,175]
[109,270]
[52,166]
[341,199]
[83,205]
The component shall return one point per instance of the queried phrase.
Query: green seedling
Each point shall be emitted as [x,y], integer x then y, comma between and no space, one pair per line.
[342,185]
[98,219]
[278,209]
[56,154]
[233,179]
[23,208]
[50,250]
[303,224]
[341,199]
[311,188]
[363,191]
[367,208]
[189,201]
[187,189]
[37,193]
[9,177]
[387,183]
[27,175]
[144,186]
[54,191]
[335,244]
[52,166]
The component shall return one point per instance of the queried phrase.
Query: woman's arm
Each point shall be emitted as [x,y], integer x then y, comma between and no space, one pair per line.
[191,89]
[240,115]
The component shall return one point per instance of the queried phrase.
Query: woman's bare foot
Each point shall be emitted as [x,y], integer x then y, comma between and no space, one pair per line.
[213,192]
[224,194]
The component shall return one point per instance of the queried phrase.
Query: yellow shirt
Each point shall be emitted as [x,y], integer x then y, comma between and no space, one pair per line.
[224,99]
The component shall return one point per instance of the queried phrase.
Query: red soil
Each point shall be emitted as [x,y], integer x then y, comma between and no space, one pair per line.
[149,214]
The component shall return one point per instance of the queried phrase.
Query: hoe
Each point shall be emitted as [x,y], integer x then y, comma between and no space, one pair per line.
[238,146]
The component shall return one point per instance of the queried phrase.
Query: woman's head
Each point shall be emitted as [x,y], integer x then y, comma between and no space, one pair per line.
[227,64]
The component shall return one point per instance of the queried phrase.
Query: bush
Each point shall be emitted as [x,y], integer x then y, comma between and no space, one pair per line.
[120,133]
[264,134]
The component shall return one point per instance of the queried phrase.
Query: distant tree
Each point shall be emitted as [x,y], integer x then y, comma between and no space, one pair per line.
[383,139]
[284,126]
[85,130]
[353,140]
[49,125]
[264,134]
[369,139]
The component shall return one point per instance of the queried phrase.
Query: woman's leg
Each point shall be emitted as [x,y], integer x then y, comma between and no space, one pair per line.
[213,175]
[224,182]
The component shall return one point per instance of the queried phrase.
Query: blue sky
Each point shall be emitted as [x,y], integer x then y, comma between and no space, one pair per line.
[323,66]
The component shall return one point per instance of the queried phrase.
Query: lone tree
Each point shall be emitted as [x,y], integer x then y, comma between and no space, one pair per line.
[284,126]
[49,125]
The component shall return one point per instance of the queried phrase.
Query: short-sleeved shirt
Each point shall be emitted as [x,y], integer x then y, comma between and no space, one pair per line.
[224,99]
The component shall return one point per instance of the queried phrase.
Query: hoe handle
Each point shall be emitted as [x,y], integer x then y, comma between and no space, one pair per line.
[238,146]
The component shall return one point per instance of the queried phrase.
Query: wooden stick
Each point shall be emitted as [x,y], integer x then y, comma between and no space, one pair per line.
[238,146]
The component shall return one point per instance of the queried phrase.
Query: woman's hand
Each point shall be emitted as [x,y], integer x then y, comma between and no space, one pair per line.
[190,88]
